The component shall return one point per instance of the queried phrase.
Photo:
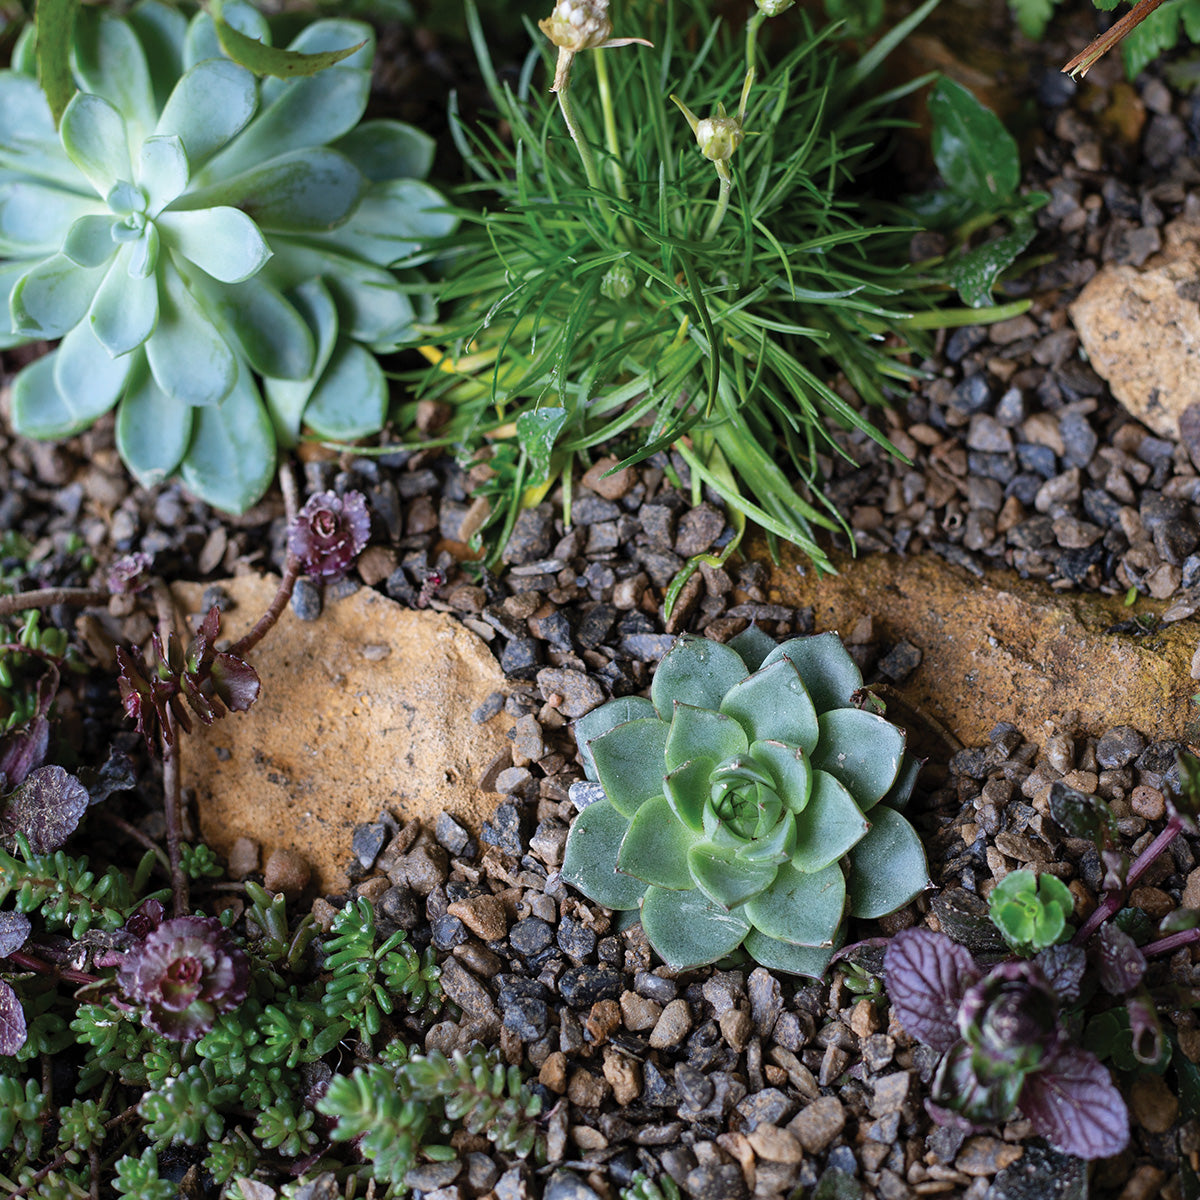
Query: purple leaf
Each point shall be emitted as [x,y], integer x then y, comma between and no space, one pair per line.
[12,1021]
[46,808]
[1075,1107]
[1119,962]
[14,932]
[1063,967]
[927,975]
[236,682]
[23,750]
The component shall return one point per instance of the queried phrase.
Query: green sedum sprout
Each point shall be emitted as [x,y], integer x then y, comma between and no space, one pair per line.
[1031,911]
[748,803]
[188,231]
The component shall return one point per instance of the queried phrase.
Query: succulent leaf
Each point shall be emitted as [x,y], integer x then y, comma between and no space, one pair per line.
[829,673]
[829,825]
[380,149]
[888,867]
[800,907]
[32,217]
[286,398]
[87,376]
[790,771]
[630,762]
[351,397]
[202,42]
[655,848]
[695,671]
[590,859]
[53,296]
[701,731]
[208,107]
[726,877]
[109,62]
[752,646]
[124,309]
[39,409]
[90,241]
[783,956]
[861,750]
[603,718]
[94,137]
[162,171]
[773,703]
[153,430]
[688,929]
[687,791]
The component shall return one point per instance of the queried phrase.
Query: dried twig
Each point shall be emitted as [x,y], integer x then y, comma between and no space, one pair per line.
[1087,58]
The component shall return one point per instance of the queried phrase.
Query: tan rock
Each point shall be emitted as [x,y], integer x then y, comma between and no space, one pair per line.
[337,734]
[1141,329]
[1002,648]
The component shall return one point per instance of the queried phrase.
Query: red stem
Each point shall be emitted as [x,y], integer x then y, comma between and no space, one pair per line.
[279,602]
[1185,937]
[27,961]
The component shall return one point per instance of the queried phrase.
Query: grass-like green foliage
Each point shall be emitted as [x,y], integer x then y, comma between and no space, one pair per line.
[634,298]
[1031,911]
[222,258]
[750,802]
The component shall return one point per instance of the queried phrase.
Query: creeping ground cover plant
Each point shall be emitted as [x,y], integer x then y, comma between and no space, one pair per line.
[221,257]
[748,803]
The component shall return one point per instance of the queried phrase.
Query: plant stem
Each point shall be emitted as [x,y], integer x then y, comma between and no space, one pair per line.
[610,123]
[283,593]
[752,27]
[30,963]
[722,205]
[1137,869]
[172,789]
[62,1160]
[1185,937]
[581,144]
[48,597]
[1086,58]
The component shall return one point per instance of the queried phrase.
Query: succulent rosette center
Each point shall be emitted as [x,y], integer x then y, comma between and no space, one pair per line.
[732,796]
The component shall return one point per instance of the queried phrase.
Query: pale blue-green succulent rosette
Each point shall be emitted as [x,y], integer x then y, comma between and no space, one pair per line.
[748,803]
[222,258]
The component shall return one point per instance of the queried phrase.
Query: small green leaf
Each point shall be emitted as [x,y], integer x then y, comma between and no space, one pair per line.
[351,398]
[536,433]
[55,26]
[51,298]
[687,790]
[829,825]
[701,732]
[600,720]
[655,848]
[1156,34]
[286,398]
[974,273]
[630,762]
[783,956]
[89,378]
[789,768]
[774,704]
[725,877]
[162,171]
[695,671]
[89,241]
[590,858]
[1033,16]
[803,908]
[687,929]
[94,137]
[267,60]
[230,460]
[33,217]
[861,750]
[753,646]
[975,154]
[829,673]
[888,867]
[221,241]
[153,430]
[125,309]
[208,107]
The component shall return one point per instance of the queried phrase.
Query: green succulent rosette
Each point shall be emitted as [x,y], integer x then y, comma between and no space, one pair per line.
[749,802]
[221,257]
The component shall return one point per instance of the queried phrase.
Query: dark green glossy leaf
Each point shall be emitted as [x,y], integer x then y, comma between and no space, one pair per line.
[862,751]
[829,673]
[600,720]
[783,956]
[695,671]
[687,790]
[630,762]
[888,867]
[268,60]
[703,733]
[55,25]
[975,154]
[726,877]
[974,273]
[774,704]
[536,433]
[828,826]
[802,908]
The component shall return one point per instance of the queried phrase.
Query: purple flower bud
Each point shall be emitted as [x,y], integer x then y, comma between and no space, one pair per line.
[127,575]
[185,973]
[329,533]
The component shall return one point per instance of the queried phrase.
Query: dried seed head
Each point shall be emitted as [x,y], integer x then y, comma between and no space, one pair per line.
[578,24]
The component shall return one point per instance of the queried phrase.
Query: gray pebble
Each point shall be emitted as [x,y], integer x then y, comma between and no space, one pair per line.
[306,600]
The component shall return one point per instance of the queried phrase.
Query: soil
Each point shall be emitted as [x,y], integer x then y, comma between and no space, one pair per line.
[736,1082]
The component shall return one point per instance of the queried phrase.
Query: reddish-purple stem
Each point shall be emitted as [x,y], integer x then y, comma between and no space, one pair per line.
[30,963]
[1113,901]
[49,597]
[1185,937]
[291,572]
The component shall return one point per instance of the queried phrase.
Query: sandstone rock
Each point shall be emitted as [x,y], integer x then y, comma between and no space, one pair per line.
[1141,329]
[337,735]
[1002,648]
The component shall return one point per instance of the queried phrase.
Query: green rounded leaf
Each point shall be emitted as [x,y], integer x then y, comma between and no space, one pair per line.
[384,150]
[110,63]
[125,309]
[221,241]
[40,410]
[701,732]
[829,825]
[51,298]
[725,876]
[153,430]
[162,171]
[190,359]
[783,956]
[590,858]
[686,929]
[351,397]
[87,376]
[774,704]
[687,790]
[655,847]
[202,42]
[603,718]
[230,460]
[89,241]
[830,675]
[790,770]
[395,220]
[630,762]
[695,671]
[975,154]
[94,137]
[32,217]
[286,398]
[752,646]
[208,107]
[861,750]
[803,908]
[888,867]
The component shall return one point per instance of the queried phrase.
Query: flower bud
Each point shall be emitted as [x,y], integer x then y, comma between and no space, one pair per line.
[772,8]
[718,137]
[578,24]
[619,282]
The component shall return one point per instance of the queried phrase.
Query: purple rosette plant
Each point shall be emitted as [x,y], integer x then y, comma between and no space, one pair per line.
[1003,1042]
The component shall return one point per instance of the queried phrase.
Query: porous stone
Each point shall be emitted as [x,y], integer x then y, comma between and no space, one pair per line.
[335,735]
